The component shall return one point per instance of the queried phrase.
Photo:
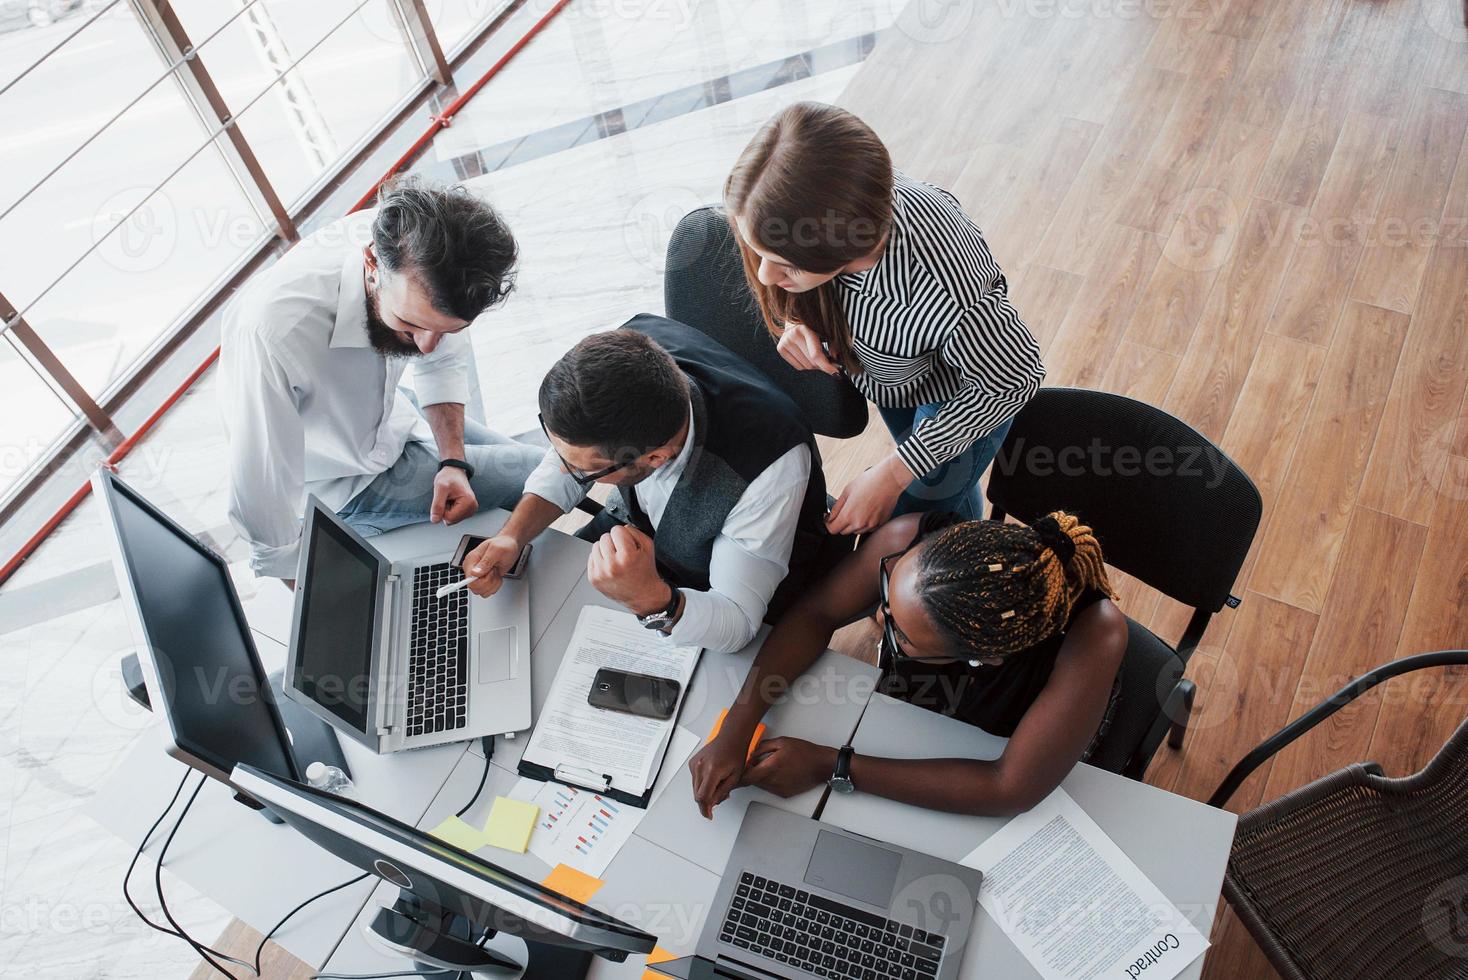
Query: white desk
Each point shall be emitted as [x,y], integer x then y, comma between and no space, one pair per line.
[1181,844]
[824,705]
[646,886]
[664,879]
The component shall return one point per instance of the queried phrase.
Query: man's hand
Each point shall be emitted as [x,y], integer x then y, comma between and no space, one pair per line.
[802,350]
[868,500]
[488,563]
[787,766]
[717,769]
[453,500]
[623,567]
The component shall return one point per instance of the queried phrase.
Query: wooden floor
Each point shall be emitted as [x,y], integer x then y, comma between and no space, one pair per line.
[1253,214]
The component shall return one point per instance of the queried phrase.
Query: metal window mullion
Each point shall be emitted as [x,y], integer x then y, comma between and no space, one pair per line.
[199,88]
[423,39]
[51,365]
[208,142]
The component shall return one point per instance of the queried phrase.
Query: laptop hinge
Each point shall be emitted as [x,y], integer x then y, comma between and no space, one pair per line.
[388,675]
[723,965]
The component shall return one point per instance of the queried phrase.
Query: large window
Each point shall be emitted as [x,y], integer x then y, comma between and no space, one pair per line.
[125,200]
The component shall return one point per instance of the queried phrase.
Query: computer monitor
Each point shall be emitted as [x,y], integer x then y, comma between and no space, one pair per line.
[198,658]
[451,904]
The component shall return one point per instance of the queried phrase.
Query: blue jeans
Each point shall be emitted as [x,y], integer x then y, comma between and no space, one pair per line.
[953,486]
[403,493]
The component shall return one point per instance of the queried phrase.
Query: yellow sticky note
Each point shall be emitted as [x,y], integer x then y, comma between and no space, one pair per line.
[759,732]
[658,955]
[578,886]
[457,833]
[510,823]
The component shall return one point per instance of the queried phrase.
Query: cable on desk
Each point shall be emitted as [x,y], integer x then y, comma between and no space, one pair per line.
[126,878]
[383,976]
[276,928]
[158,884]
[488,743]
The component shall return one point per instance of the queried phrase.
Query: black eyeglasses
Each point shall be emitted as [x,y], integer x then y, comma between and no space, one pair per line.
[889,653]
[582,478]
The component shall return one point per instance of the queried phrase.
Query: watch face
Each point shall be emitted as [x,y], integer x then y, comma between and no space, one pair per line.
[656,621]
[842,784]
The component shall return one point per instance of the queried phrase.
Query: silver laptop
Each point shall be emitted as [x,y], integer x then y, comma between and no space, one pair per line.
[801,899]
[374,652]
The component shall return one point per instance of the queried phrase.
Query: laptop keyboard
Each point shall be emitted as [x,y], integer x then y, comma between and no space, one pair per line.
[823,937]
[438,653]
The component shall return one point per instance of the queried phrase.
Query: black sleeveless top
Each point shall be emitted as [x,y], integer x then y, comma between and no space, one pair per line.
[994,698]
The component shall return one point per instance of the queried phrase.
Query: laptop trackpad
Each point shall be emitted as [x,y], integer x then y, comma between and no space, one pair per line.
[856,869]
[496,651]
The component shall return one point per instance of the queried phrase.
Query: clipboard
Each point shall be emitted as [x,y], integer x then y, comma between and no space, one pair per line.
[595,782]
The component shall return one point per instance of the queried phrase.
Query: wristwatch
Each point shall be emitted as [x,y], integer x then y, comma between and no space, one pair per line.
[840,781]
[663,618]
[457,464]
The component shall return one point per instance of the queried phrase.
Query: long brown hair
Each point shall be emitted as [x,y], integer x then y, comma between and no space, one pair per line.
[814,187]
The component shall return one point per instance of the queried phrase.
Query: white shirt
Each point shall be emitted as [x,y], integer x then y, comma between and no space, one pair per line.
[750,557]
[309,406]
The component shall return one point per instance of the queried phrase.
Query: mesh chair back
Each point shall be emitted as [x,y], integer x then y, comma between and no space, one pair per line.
[704,287]
[1169,507]
[1360,875]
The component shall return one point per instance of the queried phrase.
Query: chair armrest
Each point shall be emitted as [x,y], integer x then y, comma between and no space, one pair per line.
[1292,731]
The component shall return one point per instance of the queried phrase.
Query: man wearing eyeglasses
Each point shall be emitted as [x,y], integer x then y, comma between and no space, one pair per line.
[717,497]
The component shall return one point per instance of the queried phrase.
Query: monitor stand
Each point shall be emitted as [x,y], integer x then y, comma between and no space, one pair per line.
[436,939]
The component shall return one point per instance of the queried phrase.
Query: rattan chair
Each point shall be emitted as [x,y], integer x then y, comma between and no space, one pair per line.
[1357,875]
[1169,507]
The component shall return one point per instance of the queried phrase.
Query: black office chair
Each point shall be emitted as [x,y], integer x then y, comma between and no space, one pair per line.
[1169,507]
[704,287]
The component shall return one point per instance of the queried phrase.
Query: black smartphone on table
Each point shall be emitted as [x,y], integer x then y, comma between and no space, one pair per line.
[634,694]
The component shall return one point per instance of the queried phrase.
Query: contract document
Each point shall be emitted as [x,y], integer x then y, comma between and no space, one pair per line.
[1075,904]
[592,747]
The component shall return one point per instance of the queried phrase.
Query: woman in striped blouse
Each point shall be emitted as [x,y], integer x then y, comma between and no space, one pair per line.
[861,269]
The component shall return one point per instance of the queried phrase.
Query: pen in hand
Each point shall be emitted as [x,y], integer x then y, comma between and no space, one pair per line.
[453,587]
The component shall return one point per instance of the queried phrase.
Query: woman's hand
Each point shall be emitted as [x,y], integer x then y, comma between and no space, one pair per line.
[802,350]
[787,766]
[717,769]
[868,500]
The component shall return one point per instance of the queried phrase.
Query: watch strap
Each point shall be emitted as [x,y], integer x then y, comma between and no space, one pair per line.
[659,619]
[843,762]
[457,464]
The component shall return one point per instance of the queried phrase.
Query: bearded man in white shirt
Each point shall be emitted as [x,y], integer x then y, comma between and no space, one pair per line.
[312,354]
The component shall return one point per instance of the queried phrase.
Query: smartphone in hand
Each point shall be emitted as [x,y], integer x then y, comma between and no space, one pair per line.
[471,541]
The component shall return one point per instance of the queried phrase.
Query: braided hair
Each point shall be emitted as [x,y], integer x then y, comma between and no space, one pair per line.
[997,588]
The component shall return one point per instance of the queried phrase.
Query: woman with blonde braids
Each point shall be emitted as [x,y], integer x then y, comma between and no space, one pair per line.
[1005,626]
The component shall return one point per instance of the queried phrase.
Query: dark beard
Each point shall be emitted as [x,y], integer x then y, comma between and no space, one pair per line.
[382,337]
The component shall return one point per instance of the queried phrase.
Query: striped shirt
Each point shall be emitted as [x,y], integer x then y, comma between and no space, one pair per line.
[931,322]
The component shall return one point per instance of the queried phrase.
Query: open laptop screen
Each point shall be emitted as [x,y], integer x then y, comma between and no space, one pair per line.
[338,605]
